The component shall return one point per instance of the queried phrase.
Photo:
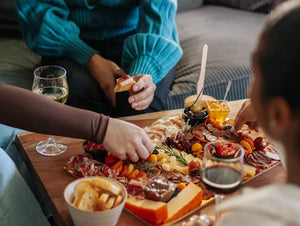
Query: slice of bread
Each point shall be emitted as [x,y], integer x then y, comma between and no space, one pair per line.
[106,186]
[79,189]
[202,102]
[124,83]
[118,200]
[88,199]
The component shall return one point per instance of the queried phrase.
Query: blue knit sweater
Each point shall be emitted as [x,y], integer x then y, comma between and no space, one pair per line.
[58,28]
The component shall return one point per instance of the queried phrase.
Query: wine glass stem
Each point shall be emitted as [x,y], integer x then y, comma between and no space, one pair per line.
[218,199]
[51,140]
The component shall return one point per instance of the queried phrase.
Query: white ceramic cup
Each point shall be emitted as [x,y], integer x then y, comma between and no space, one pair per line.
[83,218]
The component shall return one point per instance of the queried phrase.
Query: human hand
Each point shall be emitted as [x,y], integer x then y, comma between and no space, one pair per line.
[124,139]
[246,115]
[105,72]
[142,92]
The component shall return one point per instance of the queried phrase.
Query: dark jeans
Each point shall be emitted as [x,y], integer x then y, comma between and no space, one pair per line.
[86,93]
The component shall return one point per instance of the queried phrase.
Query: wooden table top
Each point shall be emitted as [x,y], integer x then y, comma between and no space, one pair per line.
[51,179]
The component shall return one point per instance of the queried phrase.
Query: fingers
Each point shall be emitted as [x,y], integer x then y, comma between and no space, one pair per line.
[239,122]
[135,143]
[133,156]
[245,115]
[143,92]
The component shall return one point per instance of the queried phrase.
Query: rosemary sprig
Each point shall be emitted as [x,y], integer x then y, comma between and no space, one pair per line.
[147,166]
[169,151]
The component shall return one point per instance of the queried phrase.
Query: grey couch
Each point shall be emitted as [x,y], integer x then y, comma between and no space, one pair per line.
[230,34]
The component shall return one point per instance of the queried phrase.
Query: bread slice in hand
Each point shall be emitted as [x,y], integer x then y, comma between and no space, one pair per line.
[124,83]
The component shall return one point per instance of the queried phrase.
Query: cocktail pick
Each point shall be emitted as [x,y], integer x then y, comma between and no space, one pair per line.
[200,82]
[227,89]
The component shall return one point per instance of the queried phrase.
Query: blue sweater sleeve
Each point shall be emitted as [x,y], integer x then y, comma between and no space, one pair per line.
[48,32]
[155,48]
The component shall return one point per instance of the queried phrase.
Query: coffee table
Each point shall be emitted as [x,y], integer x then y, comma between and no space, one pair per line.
[51,179]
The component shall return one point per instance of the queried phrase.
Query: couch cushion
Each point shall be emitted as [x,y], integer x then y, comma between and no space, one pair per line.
[188,4]
[17,63]
[252,5]
[231,35]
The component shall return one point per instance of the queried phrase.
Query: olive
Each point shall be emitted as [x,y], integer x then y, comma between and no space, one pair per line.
[196,108]
[200,114]
[189,113]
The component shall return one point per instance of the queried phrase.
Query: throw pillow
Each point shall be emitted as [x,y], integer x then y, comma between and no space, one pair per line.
[184,5]
[264,6]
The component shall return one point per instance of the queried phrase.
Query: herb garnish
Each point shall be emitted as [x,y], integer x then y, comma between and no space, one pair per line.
[169,151]
[147,166]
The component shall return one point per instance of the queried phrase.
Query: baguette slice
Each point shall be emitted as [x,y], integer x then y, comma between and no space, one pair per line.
[118,200]
[151,211]
[88,199]
[187,200]
[124,83]
[190,99]
[106,186]
[79,189]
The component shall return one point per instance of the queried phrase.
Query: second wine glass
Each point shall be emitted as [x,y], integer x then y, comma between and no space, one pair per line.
[222,167]
[51,82]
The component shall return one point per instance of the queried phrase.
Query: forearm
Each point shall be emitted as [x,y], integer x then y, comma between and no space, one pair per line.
[26,110]
[155,48]
[47,30]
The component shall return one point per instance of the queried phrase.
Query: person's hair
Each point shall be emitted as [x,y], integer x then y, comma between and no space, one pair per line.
[278,54]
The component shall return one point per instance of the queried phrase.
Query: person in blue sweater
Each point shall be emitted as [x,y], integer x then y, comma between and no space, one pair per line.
[99,40]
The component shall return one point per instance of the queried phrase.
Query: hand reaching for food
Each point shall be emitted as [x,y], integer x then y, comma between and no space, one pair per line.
[105,72]
[124,139]
[246,115]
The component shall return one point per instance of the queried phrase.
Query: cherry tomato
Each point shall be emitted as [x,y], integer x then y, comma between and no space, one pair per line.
[197,147]
[152,158]
[194,165]
[260,143]
[110,160]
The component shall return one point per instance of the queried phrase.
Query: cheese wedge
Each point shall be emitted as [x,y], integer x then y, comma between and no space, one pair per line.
[106,186]
[249,171]
[187,200]
[151,211]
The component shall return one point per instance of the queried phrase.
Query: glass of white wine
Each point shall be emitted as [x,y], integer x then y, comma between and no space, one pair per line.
[51,82]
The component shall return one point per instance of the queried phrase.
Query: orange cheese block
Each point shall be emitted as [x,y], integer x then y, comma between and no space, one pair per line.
[151,211]
[187,200]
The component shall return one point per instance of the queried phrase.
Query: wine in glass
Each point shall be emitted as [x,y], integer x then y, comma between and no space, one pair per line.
[51,82]
[222,167]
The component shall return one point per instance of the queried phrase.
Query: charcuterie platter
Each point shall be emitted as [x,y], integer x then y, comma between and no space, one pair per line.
[167,186]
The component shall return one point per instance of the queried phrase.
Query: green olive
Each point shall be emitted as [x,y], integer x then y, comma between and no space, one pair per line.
[196,108]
